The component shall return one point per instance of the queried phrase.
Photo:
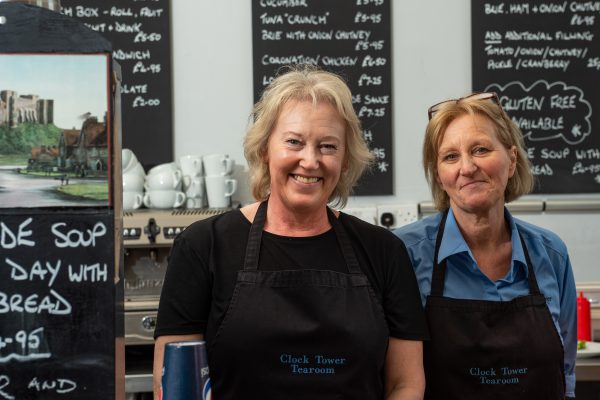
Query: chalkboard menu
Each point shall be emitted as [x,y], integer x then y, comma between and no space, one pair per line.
[543,59]
[57,325]
[140,35]
[351,38]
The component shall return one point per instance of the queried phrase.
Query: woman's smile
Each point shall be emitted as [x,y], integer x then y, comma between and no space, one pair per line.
[306,179]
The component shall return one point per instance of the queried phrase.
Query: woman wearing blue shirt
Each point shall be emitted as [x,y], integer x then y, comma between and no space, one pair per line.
[499,293]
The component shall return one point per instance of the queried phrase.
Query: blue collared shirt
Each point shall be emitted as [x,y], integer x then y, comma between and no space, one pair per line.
[550,262]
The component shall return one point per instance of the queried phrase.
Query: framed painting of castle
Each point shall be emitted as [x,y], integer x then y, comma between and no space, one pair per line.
[54,130]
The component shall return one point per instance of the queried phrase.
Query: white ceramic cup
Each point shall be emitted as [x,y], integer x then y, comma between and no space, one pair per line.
[133,182]
[167,179]
[130,163]
[164,198]
[194,187]
[217,164]
[163,168]
[219,190]
[132,200]
[128,159]
[191,165]
[135,169]
[194,202]
[195,192]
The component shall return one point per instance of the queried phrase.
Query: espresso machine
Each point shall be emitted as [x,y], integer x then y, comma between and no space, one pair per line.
[148,236]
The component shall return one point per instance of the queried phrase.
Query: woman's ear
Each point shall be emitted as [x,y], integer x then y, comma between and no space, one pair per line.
[436,176]
[512,154]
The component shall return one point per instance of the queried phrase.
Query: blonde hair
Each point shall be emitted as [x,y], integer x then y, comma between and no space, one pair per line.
[305,82]
[507,131]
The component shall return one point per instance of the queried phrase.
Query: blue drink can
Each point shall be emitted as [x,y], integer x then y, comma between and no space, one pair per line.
[185,374]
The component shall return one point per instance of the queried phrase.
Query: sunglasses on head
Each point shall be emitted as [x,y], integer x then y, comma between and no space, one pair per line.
[475,96]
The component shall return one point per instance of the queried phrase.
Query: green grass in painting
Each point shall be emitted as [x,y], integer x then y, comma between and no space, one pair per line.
[14,159]
[92,191]
[42,173]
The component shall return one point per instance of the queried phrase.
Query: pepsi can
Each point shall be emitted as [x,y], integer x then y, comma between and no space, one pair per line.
[185,374]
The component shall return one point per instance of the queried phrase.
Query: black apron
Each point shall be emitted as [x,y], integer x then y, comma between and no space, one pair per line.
[483,349]
[299,334]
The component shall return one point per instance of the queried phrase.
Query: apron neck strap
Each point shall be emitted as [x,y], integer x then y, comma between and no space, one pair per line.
[439,270]
[255,238]
[531,279]
[344,242]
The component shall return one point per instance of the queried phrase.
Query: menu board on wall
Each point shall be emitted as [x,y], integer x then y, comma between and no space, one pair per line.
[57,319]
[140,35]
[351,38]
[543,59]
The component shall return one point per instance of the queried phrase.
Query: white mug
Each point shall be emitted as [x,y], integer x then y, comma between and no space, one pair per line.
[133,182]
[132,200]
[191,165]
[166,179]
[217,164]
[194,187]
[219,190]
[194,202]
[164,198]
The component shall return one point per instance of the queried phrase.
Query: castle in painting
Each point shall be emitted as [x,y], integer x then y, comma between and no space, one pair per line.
[16,109]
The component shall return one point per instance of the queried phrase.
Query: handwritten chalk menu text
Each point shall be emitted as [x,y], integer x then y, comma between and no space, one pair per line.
[57,306]
[139,31]
[543,59]
[349,37]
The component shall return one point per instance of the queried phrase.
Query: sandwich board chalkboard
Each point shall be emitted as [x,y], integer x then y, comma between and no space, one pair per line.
[59,281]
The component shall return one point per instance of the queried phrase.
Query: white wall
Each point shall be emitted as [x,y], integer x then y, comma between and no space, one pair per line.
[213,94]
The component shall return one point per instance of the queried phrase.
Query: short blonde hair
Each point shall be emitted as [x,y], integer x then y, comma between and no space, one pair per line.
[305,82]
[507,131]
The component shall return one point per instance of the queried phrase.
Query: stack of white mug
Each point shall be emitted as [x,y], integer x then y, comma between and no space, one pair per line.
[220,186]
[163,187]
[133,180]
[193,181]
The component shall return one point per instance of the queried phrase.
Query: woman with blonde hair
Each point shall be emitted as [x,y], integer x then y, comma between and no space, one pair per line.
[296,300]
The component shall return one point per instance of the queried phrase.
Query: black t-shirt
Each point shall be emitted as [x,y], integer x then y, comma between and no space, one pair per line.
[206,257]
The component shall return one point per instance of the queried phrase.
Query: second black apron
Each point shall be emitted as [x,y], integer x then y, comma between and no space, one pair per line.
[482,349]
[299,334]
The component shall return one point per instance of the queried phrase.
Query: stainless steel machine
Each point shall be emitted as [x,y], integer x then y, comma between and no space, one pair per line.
[148,235]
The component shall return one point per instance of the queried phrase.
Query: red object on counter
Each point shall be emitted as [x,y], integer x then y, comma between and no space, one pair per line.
[584,316]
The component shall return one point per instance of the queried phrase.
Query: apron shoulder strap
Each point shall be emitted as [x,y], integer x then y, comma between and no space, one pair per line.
[439,270]
[254,238]
[344,242]
[531,279]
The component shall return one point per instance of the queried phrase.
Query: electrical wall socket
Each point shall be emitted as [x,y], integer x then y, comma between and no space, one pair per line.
[368,214]
[396,215]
